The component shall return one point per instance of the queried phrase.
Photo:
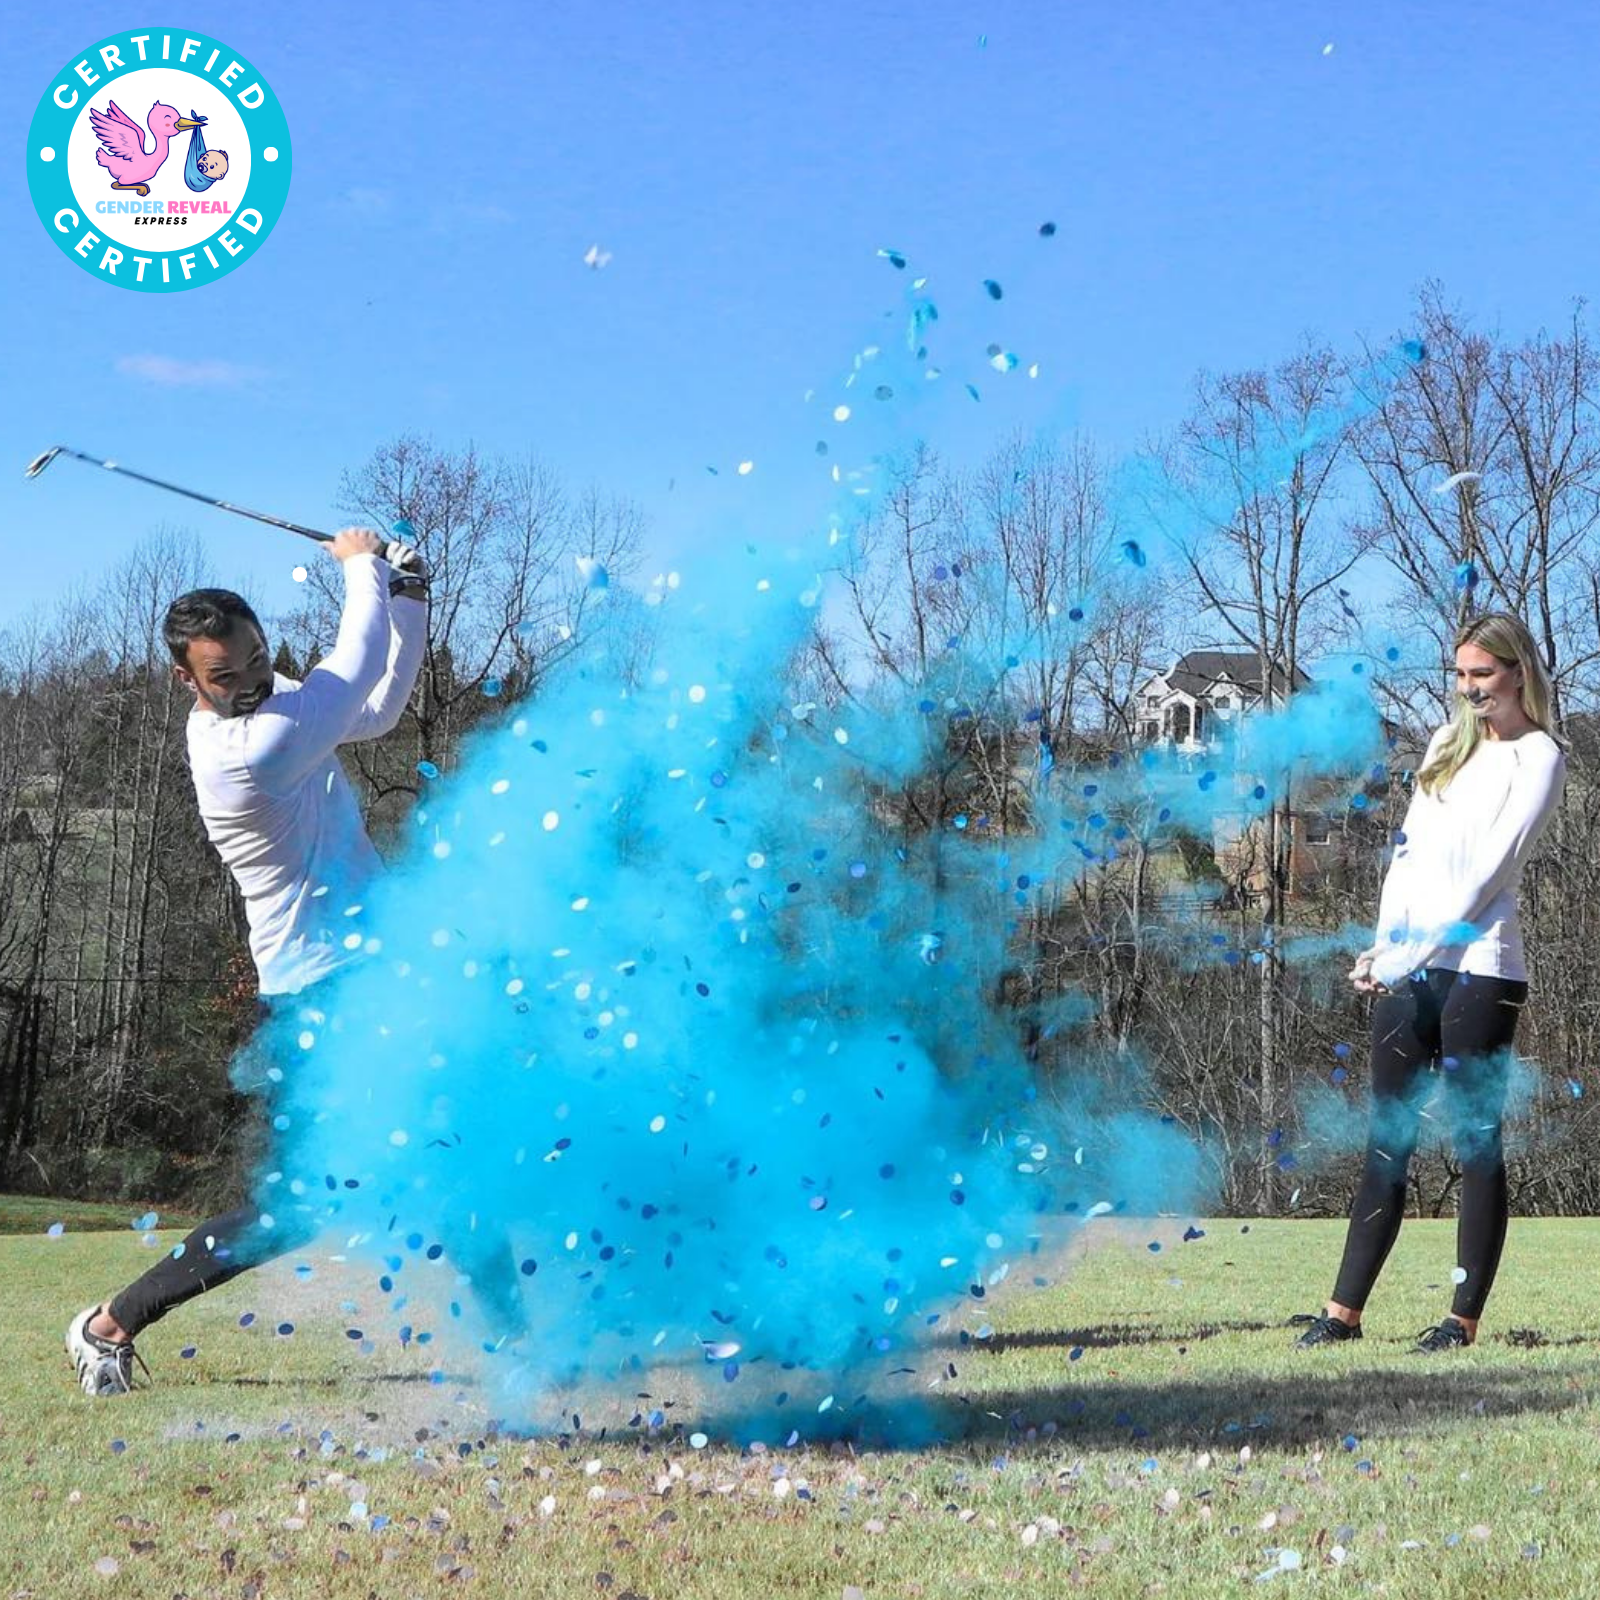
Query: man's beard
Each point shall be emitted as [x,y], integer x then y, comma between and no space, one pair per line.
[243,705]
[240,705]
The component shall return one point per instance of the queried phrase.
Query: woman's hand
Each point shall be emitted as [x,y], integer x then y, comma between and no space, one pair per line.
[1361,979]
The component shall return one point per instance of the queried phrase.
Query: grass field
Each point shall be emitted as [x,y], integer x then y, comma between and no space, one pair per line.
[1186,1451]
[26,1213]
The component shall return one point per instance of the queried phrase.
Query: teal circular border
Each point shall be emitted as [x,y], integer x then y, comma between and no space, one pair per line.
[267,191]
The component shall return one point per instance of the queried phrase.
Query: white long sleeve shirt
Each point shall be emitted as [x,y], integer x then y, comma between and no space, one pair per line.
[274,798]
[1450,896]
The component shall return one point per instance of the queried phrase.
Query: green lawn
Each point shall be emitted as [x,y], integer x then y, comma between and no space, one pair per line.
[26,1213]
[1186,1451]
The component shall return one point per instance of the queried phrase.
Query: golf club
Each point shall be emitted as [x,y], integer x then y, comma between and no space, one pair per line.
[39,463]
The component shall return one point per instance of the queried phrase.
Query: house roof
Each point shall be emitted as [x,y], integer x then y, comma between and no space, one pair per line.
[1199,669]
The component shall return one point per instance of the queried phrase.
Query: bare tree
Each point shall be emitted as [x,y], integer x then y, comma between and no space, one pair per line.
[516,567]
[1256,464]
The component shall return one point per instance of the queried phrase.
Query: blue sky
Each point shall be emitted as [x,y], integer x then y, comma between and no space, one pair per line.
[1220,181]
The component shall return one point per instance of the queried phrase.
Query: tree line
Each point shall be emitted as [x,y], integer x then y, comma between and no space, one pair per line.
[1283,519]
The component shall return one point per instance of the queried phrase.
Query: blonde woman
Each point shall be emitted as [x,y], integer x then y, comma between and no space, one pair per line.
[1447,970]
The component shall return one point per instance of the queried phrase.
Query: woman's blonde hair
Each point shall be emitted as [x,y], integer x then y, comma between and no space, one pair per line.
[1507,639]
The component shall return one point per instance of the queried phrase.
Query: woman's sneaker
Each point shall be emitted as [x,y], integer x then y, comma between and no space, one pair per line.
[1323,1329]
[1446,1335]
[103,1367]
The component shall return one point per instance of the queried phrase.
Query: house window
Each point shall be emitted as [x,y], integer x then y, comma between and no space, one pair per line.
[1223,702]
[1152,730]
[1317,826]
[1152,701]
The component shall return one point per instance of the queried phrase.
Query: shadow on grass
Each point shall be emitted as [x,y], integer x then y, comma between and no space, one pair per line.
[1359,1409]
[1404,1397]
[1358,1401]
[1102,1336]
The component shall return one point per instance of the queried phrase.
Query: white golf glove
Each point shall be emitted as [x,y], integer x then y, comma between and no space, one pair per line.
[410,570]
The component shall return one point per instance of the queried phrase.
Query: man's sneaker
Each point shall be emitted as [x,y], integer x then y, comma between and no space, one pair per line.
[103,1368]
[1322,1329]
[1447,1335]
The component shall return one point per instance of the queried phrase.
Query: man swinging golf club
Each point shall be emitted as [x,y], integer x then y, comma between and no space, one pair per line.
[278,808]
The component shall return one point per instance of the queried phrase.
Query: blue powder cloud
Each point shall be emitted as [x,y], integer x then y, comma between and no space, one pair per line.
[677,1037]
[665,1037]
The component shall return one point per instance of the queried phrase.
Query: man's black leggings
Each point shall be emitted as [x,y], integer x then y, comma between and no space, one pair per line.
[219,1249]
[1463,1026]
[222,1247]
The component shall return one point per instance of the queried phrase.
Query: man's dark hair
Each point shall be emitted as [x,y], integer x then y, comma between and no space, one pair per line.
[204,614]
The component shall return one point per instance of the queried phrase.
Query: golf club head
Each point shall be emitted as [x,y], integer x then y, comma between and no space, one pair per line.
[39,463]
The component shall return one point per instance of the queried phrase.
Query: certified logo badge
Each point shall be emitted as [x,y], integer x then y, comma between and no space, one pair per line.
[159,160]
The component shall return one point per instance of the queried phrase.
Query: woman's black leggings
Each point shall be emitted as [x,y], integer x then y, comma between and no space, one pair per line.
[1463,1025]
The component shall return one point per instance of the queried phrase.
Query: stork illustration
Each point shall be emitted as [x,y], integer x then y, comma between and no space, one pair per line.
[122,152]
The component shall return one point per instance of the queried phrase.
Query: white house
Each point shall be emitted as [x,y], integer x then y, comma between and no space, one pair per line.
[1179,705]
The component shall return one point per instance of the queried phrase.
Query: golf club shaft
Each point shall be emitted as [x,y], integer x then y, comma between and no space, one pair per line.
[204,499]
